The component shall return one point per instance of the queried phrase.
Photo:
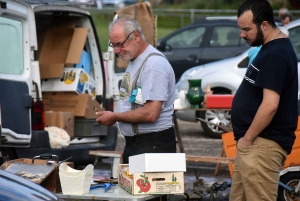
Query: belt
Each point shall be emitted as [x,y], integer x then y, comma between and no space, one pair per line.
[151,135]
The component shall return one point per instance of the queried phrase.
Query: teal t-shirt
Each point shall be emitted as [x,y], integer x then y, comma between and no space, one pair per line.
[252,54]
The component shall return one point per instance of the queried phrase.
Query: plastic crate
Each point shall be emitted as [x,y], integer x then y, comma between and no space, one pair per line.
[219,101]
[88,127]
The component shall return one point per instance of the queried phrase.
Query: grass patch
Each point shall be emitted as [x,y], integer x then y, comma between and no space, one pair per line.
[165,25]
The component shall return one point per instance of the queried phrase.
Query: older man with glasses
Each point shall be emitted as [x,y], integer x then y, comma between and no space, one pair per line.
[147,93]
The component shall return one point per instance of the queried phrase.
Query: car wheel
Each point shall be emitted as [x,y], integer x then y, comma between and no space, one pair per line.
[218,117]
[215,117]
[290,179]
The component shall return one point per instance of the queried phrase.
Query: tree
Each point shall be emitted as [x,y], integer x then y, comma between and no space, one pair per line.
[295,4]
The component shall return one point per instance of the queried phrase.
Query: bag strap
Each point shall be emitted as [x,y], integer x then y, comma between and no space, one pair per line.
[133,86]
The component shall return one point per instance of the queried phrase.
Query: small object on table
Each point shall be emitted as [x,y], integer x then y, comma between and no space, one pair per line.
[195,94]
[207,92]
[219,101]
[106,186]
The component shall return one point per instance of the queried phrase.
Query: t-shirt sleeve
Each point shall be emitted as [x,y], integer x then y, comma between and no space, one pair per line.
[155,80]
[272,74]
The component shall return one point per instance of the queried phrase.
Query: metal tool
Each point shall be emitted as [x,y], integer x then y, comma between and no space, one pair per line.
[63,161]
[106,186]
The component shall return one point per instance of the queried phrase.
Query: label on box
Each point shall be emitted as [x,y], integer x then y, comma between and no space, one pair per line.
[85,62]
[72,80]
[152,183]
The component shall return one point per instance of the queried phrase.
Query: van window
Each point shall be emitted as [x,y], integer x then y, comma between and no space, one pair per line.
[11,46]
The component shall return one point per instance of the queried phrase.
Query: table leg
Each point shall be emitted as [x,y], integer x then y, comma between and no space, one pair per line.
[178,136]
[222,153]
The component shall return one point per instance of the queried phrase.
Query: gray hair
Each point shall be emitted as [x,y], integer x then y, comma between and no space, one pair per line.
[129,25]
[283,10]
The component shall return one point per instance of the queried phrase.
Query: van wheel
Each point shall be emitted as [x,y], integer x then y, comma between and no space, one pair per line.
[290,179]
[7,154]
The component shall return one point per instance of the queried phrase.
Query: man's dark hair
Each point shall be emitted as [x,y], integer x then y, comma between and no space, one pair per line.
[285,15]
[261,10]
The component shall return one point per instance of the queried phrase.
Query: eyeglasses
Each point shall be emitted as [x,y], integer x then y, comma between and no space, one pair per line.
[120,45]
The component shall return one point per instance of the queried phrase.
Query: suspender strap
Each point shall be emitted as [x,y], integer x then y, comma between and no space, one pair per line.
[133,86]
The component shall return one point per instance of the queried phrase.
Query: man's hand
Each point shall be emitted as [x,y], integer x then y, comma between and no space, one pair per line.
[106,118]
[244,142]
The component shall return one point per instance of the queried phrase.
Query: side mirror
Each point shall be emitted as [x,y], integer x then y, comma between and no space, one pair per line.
[160,46]
[168,48]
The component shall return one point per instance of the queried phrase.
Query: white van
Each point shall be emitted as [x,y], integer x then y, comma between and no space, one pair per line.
[42,45]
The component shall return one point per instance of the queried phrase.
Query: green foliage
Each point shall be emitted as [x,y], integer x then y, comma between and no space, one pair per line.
[202,4]
[167,23]
[165,26]
[101,24]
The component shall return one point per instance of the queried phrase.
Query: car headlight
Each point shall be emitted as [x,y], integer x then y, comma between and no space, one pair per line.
[190,73]
[183,84]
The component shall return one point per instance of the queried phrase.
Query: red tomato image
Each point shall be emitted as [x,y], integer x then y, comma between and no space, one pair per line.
[145,187]
[140,182]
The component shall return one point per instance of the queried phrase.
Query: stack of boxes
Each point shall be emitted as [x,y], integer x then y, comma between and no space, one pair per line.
[68,90]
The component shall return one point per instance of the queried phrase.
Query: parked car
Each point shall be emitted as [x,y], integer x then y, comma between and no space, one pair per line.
[118,3]
[224,77]
[13,187]
[206,40]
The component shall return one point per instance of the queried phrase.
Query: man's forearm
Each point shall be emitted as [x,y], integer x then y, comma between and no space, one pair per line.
[138,115]
[261,120]
[148,113]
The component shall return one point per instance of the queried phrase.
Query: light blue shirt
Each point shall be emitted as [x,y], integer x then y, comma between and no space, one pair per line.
[252,54]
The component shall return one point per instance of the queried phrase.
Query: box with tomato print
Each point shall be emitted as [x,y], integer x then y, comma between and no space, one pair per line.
[150,182]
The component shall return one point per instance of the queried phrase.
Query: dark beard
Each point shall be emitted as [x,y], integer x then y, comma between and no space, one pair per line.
[259,40]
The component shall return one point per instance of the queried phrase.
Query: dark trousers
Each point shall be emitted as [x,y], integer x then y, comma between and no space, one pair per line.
[155,142]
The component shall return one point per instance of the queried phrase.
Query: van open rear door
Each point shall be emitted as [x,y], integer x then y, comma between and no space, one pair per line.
[16,79]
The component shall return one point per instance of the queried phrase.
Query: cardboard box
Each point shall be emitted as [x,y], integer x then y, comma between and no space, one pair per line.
[151,183]
[51,181]
[157,162]
[63,120]
[72,80]
[219,101]
[62,45]
[85,62]
[81,104]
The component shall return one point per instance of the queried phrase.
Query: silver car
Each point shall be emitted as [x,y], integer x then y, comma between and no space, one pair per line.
[224,77]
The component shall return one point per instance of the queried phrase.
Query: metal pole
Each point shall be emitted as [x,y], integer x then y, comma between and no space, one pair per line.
[192,15]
